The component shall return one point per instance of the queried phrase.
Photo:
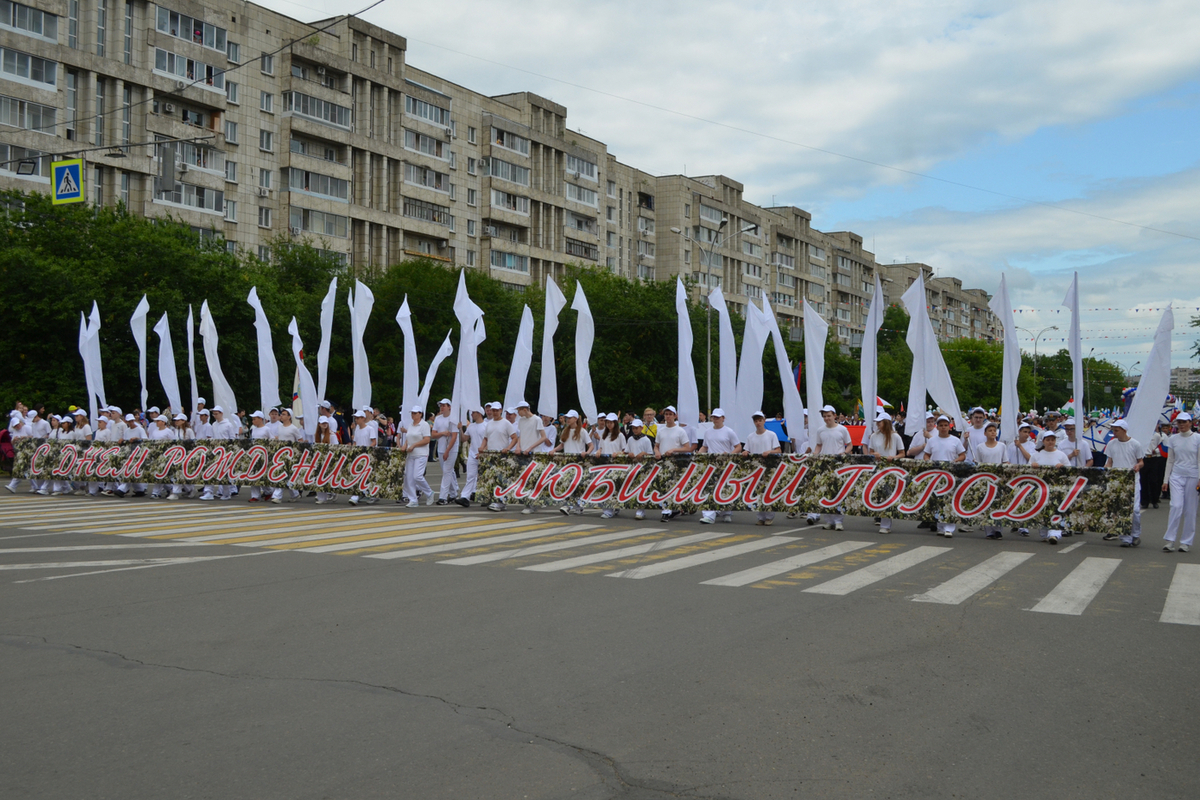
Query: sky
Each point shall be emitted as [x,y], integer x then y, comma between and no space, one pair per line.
[1029,139]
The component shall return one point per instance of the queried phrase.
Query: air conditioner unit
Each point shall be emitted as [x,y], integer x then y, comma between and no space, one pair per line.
[263,191]
[449,133]
[489,230]
[484,163]
[183,168]
[576,176]
[646,234]
[444,243]
[180,84]
[295,231]
[169,108]
[320,70]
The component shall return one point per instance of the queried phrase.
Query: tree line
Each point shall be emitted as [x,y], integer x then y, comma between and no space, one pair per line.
[55,260]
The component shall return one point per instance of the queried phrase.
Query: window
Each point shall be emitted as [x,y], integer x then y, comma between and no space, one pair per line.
[316,109]
[714,215]
[751,291]
[470,227]
[842,280]
[188,69]
[264,178]
[510,141]
[470,166]
[645,201]
[316,183]
[428,145]
[98,132]
[264,217]
[315,149]
[231,211]
[751,249]
[505,171]
[687,210]
[24,68]
[266,102]
[264,252]
[266,140]
[420,176]
[581,249]
[319,222]
[233,51]
[231,92]
[193,30]
[510,202]
[816,271]
[417,209]
[230,132]
[472,197]
[687,256]
[581,195]
[11,154]
[196,197]
[584,169]
[610,214]
[510,261]
[194,155]
[612,188]
[783,299]
[427,111]
[125,188]
[72,103]
[27,115]
[579,222]
[786,280]
[470,258]
[817,253]
[784,260]
[25,19]
[645,225]
[126,114]
[73,24]
[266,64]
[98,186]
[471,135]
[231,171]
[754,270]
[101,25]
[645,249]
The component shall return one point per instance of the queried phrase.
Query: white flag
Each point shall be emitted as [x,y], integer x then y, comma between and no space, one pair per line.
[444,352]
[222,391]
[1010,403]
[363,301]
[1075,348]
[191,339]
[411,382]
[548,395]
[687,401]
[868,371]
[308,392]
[138,324]
[167,374]
[750,373]
[727,369]
[268,367]
[815,332]
[326,335]
[793,406]
[470,333]
[585,335]
[1153,386]
[518,371]
[94,361]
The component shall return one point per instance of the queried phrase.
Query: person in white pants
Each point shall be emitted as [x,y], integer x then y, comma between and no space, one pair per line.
[885,444]
[672,439]
[474,435]
[365,435]
[38,429]
[445,431]
[576,441]
[762,442]
[1050,456]
[182,431]
[719,440]
[500,436]
[325,435]
[1183,479]
[416,444]
[946,448]
[1124,452]
[287,431]
[832,439]
[991,451]
[134,432]
[225,429]
[160,432]
[17,429]
[260,431]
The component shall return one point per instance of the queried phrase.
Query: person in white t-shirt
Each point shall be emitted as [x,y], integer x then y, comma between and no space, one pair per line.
[610,442]
[762,443]
[272,423]
[916,445]
[445,433]
[991,451]
[1080,455]
[638,446]
[181,431]
[831,439]
[416,443]
[551,435]
[1182,477]
[288,431]
[720,439]
[945,448]
[1124,452]
[500,436]
[260,431]
[363,434]
[1050,456]
[974,434]
[223,429]
[885,444]
[531,434]
[136,433]
[474,434]
[1022,448]
[672,440]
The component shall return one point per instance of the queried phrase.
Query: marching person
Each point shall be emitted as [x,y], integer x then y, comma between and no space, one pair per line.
[762,443]
[474,434]
[286,431]
[364,435]
[832,439]
[500,436]
[991,451]
[325,435]
[531,434]
[974,435]
[183,432]
[1124,452]
[611,442]
[575,441]
[1050,456]
[221,429]
[1183,479]
[945,448]
[672,440]
[160,432]
[445,432]
[62,429]
[133,432]
[885,445]
[83,434]
[1154,466]
[200,408]
[637,447]
[416,444]
[1080,456]
[719,440]
[260,431]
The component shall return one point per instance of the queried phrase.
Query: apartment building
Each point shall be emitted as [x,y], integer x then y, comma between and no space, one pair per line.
[956,313]
[251,125]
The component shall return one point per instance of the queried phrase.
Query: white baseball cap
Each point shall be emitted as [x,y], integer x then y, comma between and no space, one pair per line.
[929,415]
[828,408]
[611,417]
[417,410]
[128,417]
[521,404]
[203,412]
[882,415]
[324,404]
[1120,424]
[445,401]
[1070,421]
[1023,425]
[1050,435]
[1184,417]
[324,419]
[216,409]
[572,414]
[360,414]
[79,412]
[257,414]
[943,417]
[637,423]
[510,411]
[182,417]
[717,412]
[152,408]
[758,414]
[671,409]
[201,400]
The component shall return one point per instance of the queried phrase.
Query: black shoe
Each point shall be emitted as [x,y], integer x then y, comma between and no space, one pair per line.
[464,502]
[442,502]
[1108,537]
[1145,507]
[925,526]
[139,494]
[1067,533]
[1137,541]
[1154,505]
[311,494]
[118,493]
[996,535]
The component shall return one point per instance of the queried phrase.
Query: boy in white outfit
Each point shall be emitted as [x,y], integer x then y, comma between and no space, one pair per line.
[762,442]
[719,440]
[445,433]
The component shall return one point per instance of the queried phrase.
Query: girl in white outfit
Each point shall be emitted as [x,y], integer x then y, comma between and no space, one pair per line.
[575,441]
[474,433]
[287,432]
[416,444]
[991,451]
[1182,477]
[886,445]
[325,435]
[182,432]
[260,431]
[1050,456]
[610,443]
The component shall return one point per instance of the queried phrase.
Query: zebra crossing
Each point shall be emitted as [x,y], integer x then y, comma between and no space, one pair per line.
[731,557]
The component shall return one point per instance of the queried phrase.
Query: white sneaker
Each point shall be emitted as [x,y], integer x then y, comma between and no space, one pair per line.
[639,514]
[373,500]
[207,497]
[949,534]
[527,510]
[277,501]
[495,507]
[172,497]
[565,511]
[354,500]
[413,504]
[320,502]
[1183,548]
[707,520]
[42,492]
[607,513]
[837,526]
[429,500]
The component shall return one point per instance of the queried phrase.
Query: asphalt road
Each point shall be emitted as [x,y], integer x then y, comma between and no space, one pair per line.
[275,673]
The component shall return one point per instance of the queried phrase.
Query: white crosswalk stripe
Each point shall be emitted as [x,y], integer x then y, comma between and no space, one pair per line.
[1183,598]
[969,583]
[624,552]
[1077,590]
[790,564]
[469,543]
[461,530]
[538,549]
[877,572]
[663,567]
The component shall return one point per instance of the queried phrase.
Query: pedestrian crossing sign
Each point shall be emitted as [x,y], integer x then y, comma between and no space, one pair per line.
[67,177]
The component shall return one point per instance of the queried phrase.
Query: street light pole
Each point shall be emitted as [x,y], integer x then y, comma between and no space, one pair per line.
[708,257]
[1035,358]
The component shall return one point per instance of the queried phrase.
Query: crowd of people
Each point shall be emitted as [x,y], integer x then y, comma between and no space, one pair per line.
[1167,464]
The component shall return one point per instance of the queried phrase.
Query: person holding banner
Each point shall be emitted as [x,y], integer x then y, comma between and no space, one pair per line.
[949,449]
[223,429]
[474,434]
[445,431]
[1124,452]
[416,444]
[499,436]
[531,435]
[325,435]
[721,439]
[1050,456]
[260,431]
[762,442]
[364,435]
[832,439]
[884,444]
[1183,479]
[160,432]
[133,432]
[182,431]
[991,451]
[287,431]
[672,440]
